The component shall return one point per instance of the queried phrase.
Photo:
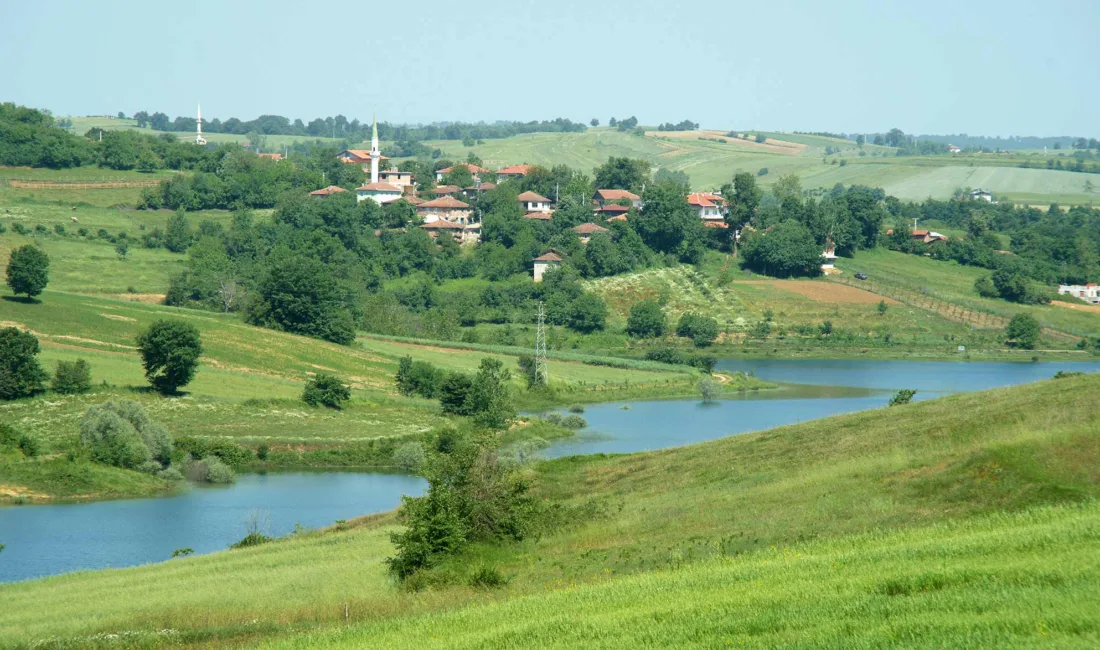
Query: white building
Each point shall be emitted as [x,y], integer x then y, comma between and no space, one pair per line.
[475,171]
[1087,292]
[979,193]
[709,206]
[380,193]
[604,198]
[533,202]
[512,171]
[545,262]
[828,258]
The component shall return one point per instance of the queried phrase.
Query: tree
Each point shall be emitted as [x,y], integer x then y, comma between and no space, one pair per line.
[595,122]
[788,187]
[453,391]
[882,307]
[72,377]
[903,396]
[647,320]
[622,174]
[170,352]
[326,389]
[702,330]
[602,257]
[787,249]
[178,235]
[299,294]
[121,249]
[667,224]
[1024,330]
[587,313]
[488,400]
[20,373]
[28,271]
[709,389]
[860,140]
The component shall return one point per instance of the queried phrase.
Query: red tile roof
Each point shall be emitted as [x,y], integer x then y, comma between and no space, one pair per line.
[531,197]
[541,216]
[447,189]
[447,202]
[698,201]
[548,257]
[273,156]
[325,191]
[715,224]
[362,154]
[484,187]
[517,170]
[441,224]
[619,217]
[920,233]
[613,209]
[415,200]
[588,228]
[709,196]
[616,195]
[380,187]
[474,169]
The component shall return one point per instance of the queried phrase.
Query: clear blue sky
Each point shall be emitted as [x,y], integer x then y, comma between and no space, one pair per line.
[976,66]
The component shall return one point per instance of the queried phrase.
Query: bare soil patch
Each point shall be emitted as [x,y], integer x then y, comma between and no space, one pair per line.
[148,298]
[825,291]
[119,317]
[1077,306]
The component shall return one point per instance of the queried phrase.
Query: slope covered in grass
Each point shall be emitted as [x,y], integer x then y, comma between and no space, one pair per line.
[760,499]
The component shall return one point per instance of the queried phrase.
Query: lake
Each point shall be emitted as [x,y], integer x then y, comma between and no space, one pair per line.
[50,539]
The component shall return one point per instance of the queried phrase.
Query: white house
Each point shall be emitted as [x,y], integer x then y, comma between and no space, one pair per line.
[396,177]
[828,258]
[954,148]
[533,202]
[1087,292]
[380,193]
[979,193]
[545,262]
[709,206]
[445,207]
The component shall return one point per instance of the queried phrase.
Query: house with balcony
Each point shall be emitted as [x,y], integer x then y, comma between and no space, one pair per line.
[533,202]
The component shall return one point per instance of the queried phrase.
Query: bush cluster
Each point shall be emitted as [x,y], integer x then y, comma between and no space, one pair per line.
[702,330]
[704,362]
[325,389]
[120,433]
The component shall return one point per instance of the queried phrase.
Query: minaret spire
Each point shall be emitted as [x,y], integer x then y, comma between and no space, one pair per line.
[374,153]
[199,140]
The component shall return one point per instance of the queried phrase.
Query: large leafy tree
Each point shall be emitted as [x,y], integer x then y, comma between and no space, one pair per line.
[299,294]
[20,373]
[786,249]
[170,352]
[488,400]
[667,224]
[28,271]
[622,174]
[647,320]
[1024,330]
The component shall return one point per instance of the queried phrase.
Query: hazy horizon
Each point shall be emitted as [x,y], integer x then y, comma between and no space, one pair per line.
[980,68]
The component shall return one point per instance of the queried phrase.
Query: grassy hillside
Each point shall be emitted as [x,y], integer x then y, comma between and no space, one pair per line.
[954,283]
[250,379]
[81,125]
[796,516]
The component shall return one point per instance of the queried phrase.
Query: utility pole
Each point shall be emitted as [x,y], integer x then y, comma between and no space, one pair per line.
[541,374]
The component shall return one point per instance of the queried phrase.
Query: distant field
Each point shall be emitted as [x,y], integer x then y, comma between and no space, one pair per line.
[81,125]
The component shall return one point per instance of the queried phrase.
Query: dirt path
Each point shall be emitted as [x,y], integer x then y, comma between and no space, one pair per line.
[1077,306]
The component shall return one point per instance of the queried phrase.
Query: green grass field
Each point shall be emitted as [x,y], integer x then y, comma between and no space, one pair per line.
[81,125]
[954,283]
[945,522]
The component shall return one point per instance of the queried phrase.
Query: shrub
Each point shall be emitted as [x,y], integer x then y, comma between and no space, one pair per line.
[170,354]
[170,474]
[709,389]
[29,445]
[553,418]
[231,453]
[182,552]
[1062,374]
[418,378]
[326,390]
[574,422]
[120,433]
[217,471]
[409,456]
[453,391]
[262,451]
[903,396]
[72,377]
[647,320]
[488,578]
[702,330]
[985,287]
[252,539]
[576,408]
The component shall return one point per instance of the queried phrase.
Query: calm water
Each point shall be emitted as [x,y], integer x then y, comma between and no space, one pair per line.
[826,388]
[51,539]
[44,540]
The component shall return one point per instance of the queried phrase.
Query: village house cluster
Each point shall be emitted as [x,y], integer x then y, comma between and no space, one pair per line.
[446,210]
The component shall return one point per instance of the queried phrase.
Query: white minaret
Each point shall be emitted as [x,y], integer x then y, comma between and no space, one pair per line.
[374,153]
[199,140]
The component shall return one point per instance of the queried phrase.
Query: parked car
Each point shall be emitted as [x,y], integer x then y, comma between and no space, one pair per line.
[861,276]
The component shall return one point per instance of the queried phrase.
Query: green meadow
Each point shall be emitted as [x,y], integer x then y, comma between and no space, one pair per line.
[969,519]
[81,125]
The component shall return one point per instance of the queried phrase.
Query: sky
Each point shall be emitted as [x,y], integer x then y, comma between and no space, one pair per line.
[1005,67]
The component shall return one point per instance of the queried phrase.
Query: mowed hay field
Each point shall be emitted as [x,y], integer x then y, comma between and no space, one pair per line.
[81,125]
[967,517]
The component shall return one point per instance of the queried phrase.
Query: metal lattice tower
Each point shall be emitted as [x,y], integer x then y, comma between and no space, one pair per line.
[542,376]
